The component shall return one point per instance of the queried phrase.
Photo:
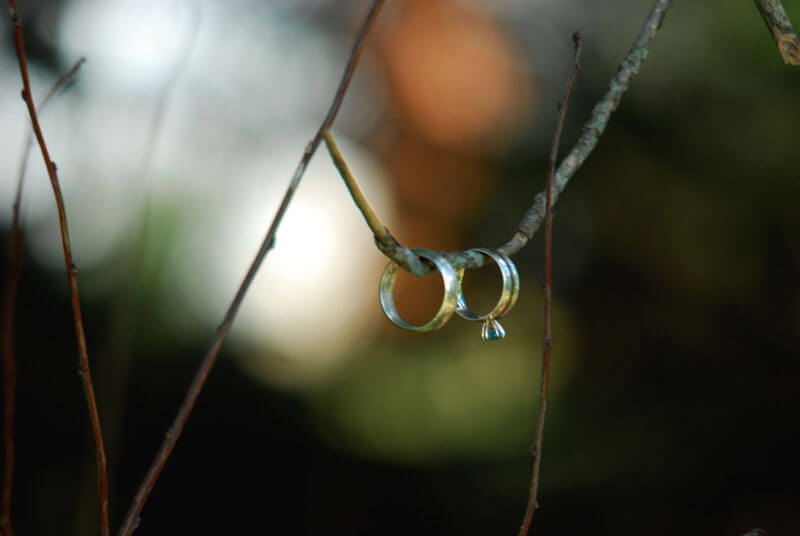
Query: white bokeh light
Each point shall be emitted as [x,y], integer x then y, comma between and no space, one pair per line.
[235,123]
[132,43]
[316,293]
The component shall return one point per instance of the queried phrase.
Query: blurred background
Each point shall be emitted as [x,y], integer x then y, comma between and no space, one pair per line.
[677,300]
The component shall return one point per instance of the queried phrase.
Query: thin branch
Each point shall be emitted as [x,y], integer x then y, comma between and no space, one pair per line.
[131,520]
[547,346]
[112,387]
[782,31]
[380,232]
[72,277]
[168,86]
[60,84]
[592,131]
[9,303]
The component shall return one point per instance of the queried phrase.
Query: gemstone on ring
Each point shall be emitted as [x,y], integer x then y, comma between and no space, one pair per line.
[492,330]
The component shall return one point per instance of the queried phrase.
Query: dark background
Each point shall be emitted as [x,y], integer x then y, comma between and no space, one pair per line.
[675,380]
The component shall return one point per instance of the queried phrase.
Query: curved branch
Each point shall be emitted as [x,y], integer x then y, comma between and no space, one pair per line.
[592,131]
[379,231]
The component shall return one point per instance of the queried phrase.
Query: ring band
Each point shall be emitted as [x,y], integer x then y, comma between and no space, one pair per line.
[492,330]
[508,296]
[452,287]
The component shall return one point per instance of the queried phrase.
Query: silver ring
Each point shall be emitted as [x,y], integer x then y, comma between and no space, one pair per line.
[452,290]
[492,330]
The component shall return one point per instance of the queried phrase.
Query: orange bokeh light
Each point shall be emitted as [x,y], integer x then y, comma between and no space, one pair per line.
[454,73]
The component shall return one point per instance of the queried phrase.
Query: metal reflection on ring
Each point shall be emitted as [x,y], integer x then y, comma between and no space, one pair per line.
[492,330]
[452,292]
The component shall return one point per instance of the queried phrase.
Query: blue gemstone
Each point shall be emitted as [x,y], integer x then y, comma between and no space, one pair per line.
[492,331]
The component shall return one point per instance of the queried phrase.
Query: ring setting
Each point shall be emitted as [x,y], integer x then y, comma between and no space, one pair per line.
[492,330]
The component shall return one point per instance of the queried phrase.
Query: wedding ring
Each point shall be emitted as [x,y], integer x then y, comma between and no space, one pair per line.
[452,287]
[491,329]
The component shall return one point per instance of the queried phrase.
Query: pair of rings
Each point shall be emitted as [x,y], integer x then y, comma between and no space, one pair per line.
[453,301]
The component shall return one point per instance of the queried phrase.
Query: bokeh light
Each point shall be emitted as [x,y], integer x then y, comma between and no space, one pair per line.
[451,398]
[301,315]
[458,78]
[133,43]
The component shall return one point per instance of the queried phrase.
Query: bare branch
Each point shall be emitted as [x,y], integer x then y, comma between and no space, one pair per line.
[72,276]
[380,232]
[112,387]
[131,520]
[9,302]
[168,86]
[547,346]
[592,131]
[594,128]
[782,31]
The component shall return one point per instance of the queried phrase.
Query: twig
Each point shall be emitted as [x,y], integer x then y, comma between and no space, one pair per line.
[592,131]
[547,346]
[72,277]
[380,232]
[132,517]
[9,302]
[167,88]
[112,387]
[782,31]
[60,84]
